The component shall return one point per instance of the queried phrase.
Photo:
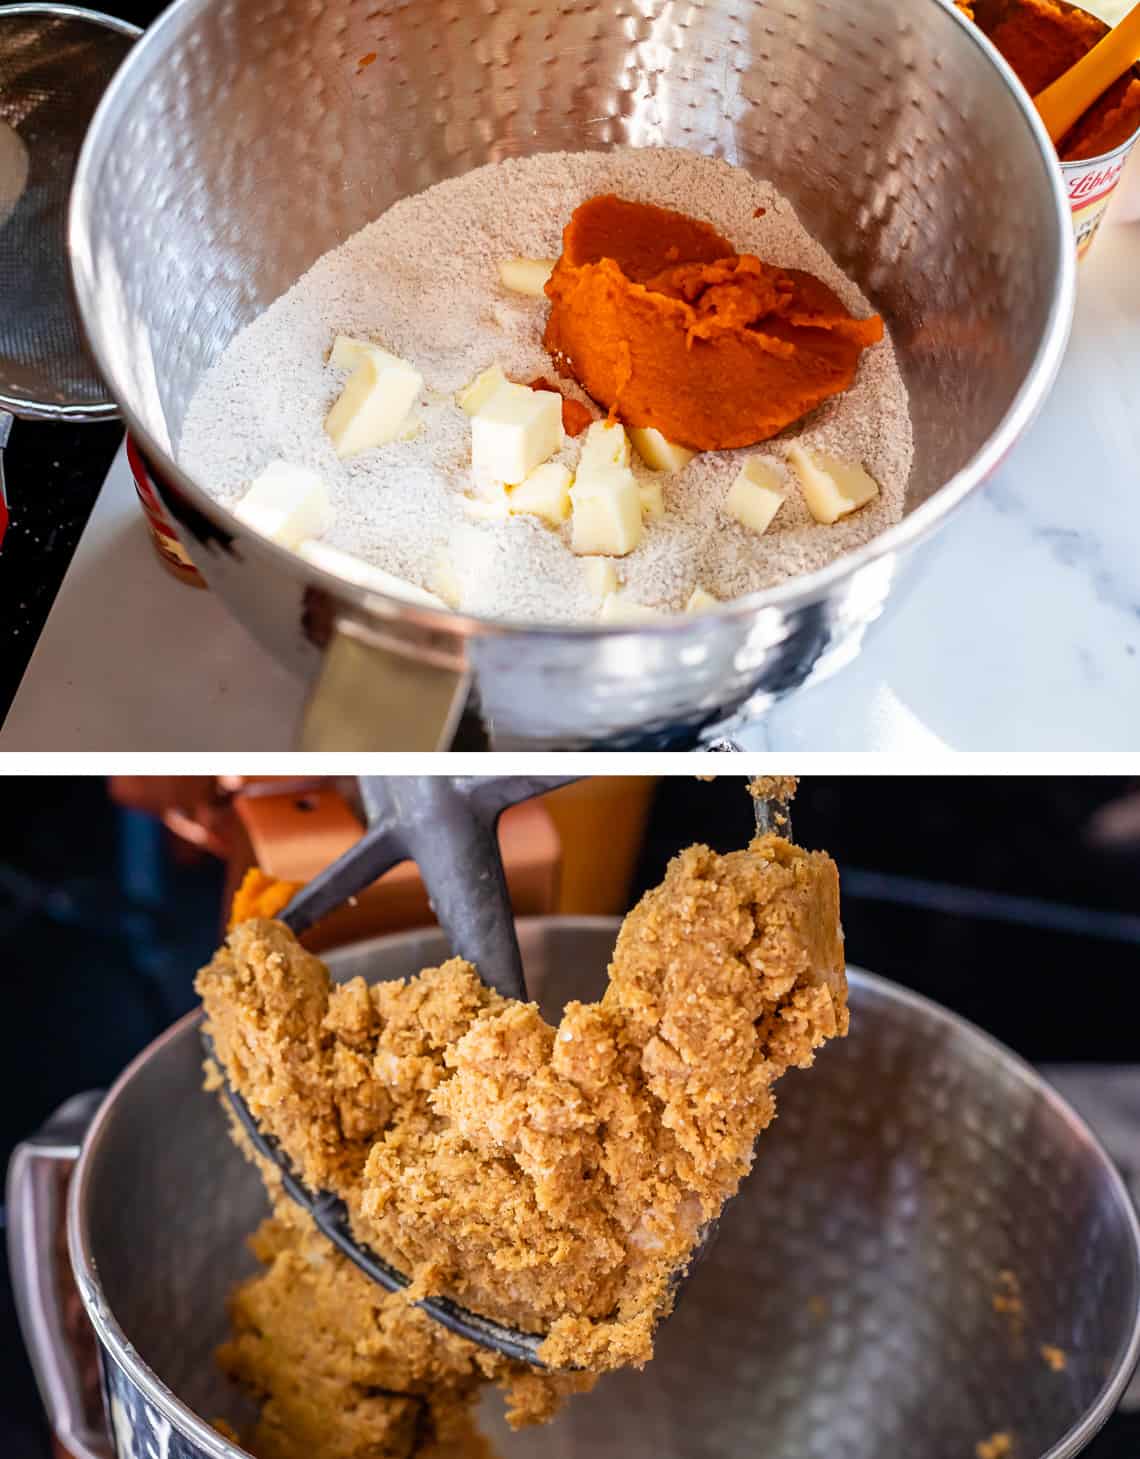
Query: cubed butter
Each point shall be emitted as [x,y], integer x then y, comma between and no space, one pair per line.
[287,503]
[445,580]
[658,453]
[617,608]
[606,513]
[601,576]
[832,488]
[514,431]
[526,275]
[472,398]
[756,495]
[493,506]
[347,353]
[363,575]
[374,404]
[700,601]
[652,500]
[604,444]
[545,493]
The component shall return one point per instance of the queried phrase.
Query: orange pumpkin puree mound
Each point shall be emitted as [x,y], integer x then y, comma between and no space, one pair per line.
[661,321]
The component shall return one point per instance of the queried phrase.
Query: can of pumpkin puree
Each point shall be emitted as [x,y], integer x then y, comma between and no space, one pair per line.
[1090,184]
[164,539]
[1042,38]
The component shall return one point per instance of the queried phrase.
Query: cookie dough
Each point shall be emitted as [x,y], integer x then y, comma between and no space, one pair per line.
[342,1369]
[553,1177]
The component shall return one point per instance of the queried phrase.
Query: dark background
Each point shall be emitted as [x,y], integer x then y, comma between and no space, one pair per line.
[1011,900]
[54,474]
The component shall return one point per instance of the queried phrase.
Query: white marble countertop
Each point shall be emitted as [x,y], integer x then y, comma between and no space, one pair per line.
[1023,633]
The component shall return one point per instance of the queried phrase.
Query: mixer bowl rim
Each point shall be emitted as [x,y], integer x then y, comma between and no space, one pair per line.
[791,596]
[122,1352]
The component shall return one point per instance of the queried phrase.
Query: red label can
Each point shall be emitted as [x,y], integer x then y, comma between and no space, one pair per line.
[170,551]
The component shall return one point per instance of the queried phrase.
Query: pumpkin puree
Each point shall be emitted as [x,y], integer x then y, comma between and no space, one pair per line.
[660,320]
[1041,39]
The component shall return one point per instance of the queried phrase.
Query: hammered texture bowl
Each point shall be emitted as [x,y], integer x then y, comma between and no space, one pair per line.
[245,138]
[845,1310]
[254,141]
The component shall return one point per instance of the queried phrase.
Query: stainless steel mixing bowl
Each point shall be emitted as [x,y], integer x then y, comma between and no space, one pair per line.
[242,140]
[844,1311]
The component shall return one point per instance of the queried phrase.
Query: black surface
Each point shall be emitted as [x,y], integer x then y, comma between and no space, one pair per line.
[54,474]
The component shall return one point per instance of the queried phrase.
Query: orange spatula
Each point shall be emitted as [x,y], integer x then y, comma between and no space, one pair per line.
[1070,96]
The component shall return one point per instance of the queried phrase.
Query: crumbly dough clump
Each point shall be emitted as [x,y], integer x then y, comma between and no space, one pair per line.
[345,1370]
[773,787]
[555,1178]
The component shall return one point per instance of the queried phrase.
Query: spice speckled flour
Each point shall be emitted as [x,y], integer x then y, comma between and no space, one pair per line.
[423,282]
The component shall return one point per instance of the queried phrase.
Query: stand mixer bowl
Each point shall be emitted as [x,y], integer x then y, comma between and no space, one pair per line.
[242,140]
[845,1310]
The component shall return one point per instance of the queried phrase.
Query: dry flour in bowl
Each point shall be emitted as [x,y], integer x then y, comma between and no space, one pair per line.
[423,282]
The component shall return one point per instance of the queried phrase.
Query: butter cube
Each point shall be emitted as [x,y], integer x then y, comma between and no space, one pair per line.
[616,608]
[493,506]
[604,444]
[374,403]
[658,453]
[831,488]
[514,431]
[755,496]
[545,493]
[601,576]
[347,353]
[526,275]
[287,503]
[472,398]
[700,601]
[652,500]
[363,575]
[606,513]
[445,580]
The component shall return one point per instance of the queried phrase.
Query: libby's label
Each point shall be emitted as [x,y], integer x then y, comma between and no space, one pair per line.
[1090,185]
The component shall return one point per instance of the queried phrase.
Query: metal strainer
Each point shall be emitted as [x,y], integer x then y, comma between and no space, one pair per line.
[55,63]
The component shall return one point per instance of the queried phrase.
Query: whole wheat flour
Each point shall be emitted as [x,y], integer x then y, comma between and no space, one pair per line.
[423,282]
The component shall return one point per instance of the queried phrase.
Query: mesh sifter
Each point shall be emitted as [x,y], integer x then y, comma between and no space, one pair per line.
[55,63]
[446,825]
